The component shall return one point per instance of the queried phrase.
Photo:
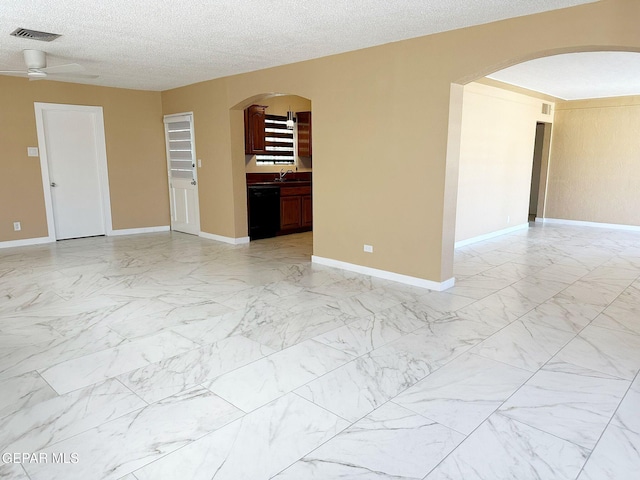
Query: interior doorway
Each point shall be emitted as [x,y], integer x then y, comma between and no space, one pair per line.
[539,170]
[183,173]
[276,154]
[73,162]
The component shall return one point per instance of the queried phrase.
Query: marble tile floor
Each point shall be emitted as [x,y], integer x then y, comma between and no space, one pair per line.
[167,356]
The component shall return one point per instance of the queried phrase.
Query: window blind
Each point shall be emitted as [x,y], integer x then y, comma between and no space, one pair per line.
[279,142]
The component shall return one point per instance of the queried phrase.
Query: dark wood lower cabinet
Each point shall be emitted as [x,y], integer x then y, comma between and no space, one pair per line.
[290,212]
[307,211]
[293,201]
[295,209]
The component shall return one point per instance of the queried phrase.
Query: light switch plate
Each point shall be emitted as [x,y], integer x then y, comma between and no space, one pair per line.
[368,248]
[32,151]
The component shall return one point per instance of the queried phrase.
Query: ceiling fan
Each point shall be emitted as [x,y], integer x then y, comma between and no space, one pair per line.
[36,63]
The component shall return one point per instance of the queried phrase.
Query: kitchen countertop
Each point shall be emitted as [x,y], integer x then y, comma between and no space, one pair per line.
[286,183]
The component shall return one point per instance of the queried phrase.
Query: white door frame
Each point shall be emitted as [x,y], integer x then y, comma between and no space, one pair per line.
[101,154]
[195,169]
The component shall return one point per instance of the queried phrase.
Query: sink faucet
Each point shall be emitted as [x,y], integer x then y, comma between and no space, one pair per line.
[283,174]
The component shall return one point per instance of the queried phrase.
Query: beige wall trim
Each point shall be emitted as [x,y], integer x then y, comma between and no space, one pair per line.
[487,236]
[220,238]
[579,223]
[137,231]
[374,272]
[26,242]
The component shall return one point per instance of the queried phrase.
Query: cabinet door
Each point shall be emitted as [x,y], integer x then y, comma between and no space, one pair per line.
[304,133]
[307,211]
[254,142]
[290,212]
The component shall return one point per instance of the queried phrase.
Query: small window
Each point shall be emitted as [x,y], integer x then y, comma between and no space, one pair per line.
[279,142]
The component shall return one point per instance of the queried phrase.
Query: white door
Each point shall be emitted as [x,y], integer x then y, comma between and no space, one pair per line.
[73,144]
[183,174]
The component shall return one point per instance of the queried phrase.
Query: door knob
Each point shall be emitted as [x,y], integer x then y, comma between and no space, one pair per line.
[54,184]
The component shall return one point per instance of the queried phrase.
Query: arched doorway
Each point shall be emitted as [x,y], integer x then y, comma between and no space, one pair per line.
[275,159]
[582,181]
[542,113]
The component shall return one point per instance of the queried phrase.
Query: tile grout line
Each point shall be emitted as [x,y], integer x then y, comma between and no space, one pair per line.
[480,424]
[575,334]
[130,389]
[350,424]
[540,369]
[496,411]
[637,375]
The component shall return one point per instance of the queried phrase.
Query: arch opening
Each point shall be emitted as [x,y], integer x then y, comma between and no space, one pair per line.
[287,156]
[581,181]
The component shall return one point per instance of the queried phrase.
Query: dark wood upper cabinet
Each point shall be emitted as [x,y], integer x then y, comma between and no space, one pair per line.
[304,133]
[254,142]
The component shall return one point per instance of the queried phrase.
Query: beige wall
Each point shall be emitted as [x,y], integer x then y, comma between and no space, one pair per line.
[385,160]
[496,156]
[398,195]
[594,173]
[135,154]
[211,121]
[280,105]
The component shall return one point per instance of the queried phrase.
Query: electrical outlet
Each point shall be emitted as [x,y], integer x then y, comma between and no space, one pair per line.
[17,227]
[199,163]
[368,248]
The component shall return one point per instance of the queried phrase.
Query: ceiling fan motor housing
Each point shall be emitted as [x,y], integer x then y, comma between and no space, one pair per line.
[35,58]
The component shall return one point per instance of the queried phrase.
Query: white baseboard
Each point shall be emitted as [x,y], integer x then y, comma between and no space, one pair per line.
[136,231]
[26,242]
[487,236]
[220,238]
[112,233]
[580,223]
[374,272]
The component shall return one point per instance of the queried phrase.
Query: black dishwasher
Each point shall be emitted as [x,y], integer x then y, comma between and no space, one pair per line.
[264,211]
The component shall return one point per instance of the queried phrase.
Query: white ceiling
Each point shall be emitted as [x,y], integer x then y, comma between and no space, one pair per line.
[578,76]
[162,44]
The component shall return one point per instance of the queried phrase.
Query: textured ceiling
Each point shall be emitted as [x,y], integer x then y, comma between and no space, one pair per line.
[577,76]
[161,44]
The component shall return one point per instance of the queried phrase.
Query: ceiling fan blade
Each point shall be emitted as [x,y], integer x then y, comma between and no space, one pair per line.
[71,75]
[68,68]
[13,72]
